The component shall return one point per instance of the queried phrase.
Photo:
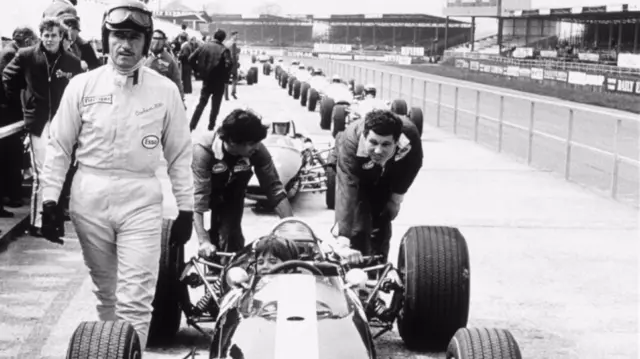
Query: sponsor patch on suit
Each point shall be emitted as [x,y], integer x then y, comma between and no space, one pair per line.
[92,100]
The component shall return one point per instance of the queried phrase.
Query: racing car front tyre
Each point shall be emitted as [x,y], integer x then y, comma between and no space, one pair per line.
[113,340]
[415,116]
[165,319]
[284,80]
[326,110]
[253,74]
[304,94]
[399,107]
[480,343]
[266,69]
[271,60]
[253,59]
[314,96]
[358,90]
[434,266]
[290,83]
[338,119]
[296,89]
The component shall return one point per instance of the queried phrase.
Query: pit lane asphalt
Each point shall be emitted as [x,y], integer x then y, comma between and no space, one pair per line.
[552,262]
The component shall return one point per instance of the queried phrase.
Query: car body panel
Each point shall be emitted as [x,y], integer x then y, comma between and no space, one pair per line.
[282,319]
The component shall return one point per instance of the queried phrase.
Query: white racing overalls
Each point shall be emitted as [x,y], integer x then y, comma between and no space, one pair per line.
[116,201]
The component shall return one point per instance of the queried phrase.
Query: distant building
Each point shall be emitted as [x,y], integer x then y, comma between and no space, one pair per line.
[178,13]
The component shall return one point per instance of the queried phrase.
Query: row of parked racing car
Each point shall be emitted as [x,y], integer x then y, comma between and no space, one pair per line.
[318,306]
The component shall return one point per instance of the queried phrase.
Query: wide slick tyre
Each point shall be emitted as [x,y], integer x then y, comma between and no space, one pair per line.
[312,101]
[433,262]
[338,119]
[113,340]
[284,79]
[167,312]
[483,343]
[399,107]
[290,83]
[296,89]
[304,94]
[416,117]
[326,110]
[253,73]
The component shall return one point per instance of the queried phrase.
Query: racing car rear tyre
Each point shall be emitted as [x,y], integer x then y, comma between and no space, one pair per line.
[304,94]
[292,80]
[415,116]
[266,69]
[114,340]
[399,107]
[314,96]
[326,110]
[271,59]
[296,89]
[434,265]
[480,343]
[165,319]
[330,194]
[284,80]
[253,59]
[358,90]
[253,74]
[338,119]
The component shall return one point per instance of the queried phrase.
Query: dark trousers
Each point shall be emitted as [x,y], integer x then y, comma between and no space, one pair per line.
[11,161]
[234,84]
[372,227]
[226,231]
[186,78]
[215,91]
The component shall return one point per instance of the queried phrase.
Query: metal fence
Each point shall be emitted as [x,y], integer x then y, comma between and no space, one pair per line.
[592,146]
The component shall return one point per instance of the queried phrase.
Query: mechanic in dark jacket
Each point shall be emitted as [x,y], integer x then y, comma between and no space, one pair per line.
[43,72]
[213,62]
[11,112]
[377,161]
[222,167]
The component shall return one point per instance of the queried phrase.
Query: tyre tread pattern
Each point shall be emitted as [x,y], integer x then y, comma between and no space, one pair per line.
[483,343]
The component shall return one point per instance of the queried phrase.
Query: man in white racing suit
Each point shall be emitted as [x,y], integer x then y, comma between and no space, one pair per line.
[123,117]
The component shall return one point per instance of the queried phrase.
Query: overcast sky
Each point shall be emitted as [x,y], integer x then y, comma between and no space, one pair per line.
[373,6]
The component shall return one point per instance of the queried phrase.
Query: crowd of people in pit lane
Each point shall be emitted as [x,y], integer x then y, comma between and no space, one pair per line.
[97,138]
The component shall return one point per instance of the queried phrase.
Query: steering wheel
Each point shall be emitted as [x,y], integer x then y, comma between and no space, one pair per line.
[295,264]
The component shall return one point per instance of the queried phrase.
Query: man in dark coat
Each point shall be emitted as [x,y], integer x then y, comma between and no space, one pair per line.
[186,49]
[11,112]
[213,61]
[232,45]
[43,72]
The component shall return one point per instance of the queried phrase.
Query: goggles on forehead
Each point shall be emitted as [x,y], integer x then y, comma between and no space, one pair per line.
[121,15]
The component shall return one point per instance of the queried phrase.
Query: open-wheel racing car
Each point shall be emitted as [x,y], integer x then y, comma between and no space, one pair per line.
[265,60]
[298,162]
[319,305]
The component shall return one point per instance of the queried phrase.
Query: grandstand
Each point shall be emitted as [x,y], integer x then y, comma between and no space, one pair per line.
[389,31]
[267,30]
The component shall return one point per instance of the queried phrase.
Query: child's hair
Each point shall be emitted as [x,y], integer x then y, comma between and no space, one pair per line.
[280,247]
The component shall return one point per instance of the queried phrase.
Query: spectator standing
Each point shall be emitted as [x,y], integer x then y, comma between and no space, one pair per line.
[43,72]
[232,45]
[213,62]
[11,112]
[186,49]
[162,61]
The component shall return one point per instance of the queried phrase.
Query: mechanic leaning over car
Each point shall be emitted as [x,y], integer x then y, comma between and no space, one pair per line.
[123,116]
[377,161]
[222,167]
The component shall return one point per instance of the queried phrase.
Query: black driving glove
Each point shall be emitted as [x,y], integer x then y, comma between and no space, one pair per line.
[52,222]
[182,228]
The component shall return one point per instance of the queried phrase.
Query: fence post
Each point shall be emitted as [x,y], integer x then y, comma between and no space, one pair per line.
[501,124]
[390,86]
[411,99]
[455,112]
[400,86]
[532,113]
[567,152]
[616,160]
[439,106]
[477,117]
[424,95]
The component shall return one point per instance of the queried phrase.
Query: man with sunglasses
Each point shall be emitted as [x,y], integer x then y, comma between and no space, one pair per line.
[124,117]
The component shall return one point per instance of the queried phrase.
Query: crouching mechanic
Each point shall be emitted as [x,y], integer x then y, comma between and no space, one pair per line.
[123,117]
[222,167]
[377,161]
